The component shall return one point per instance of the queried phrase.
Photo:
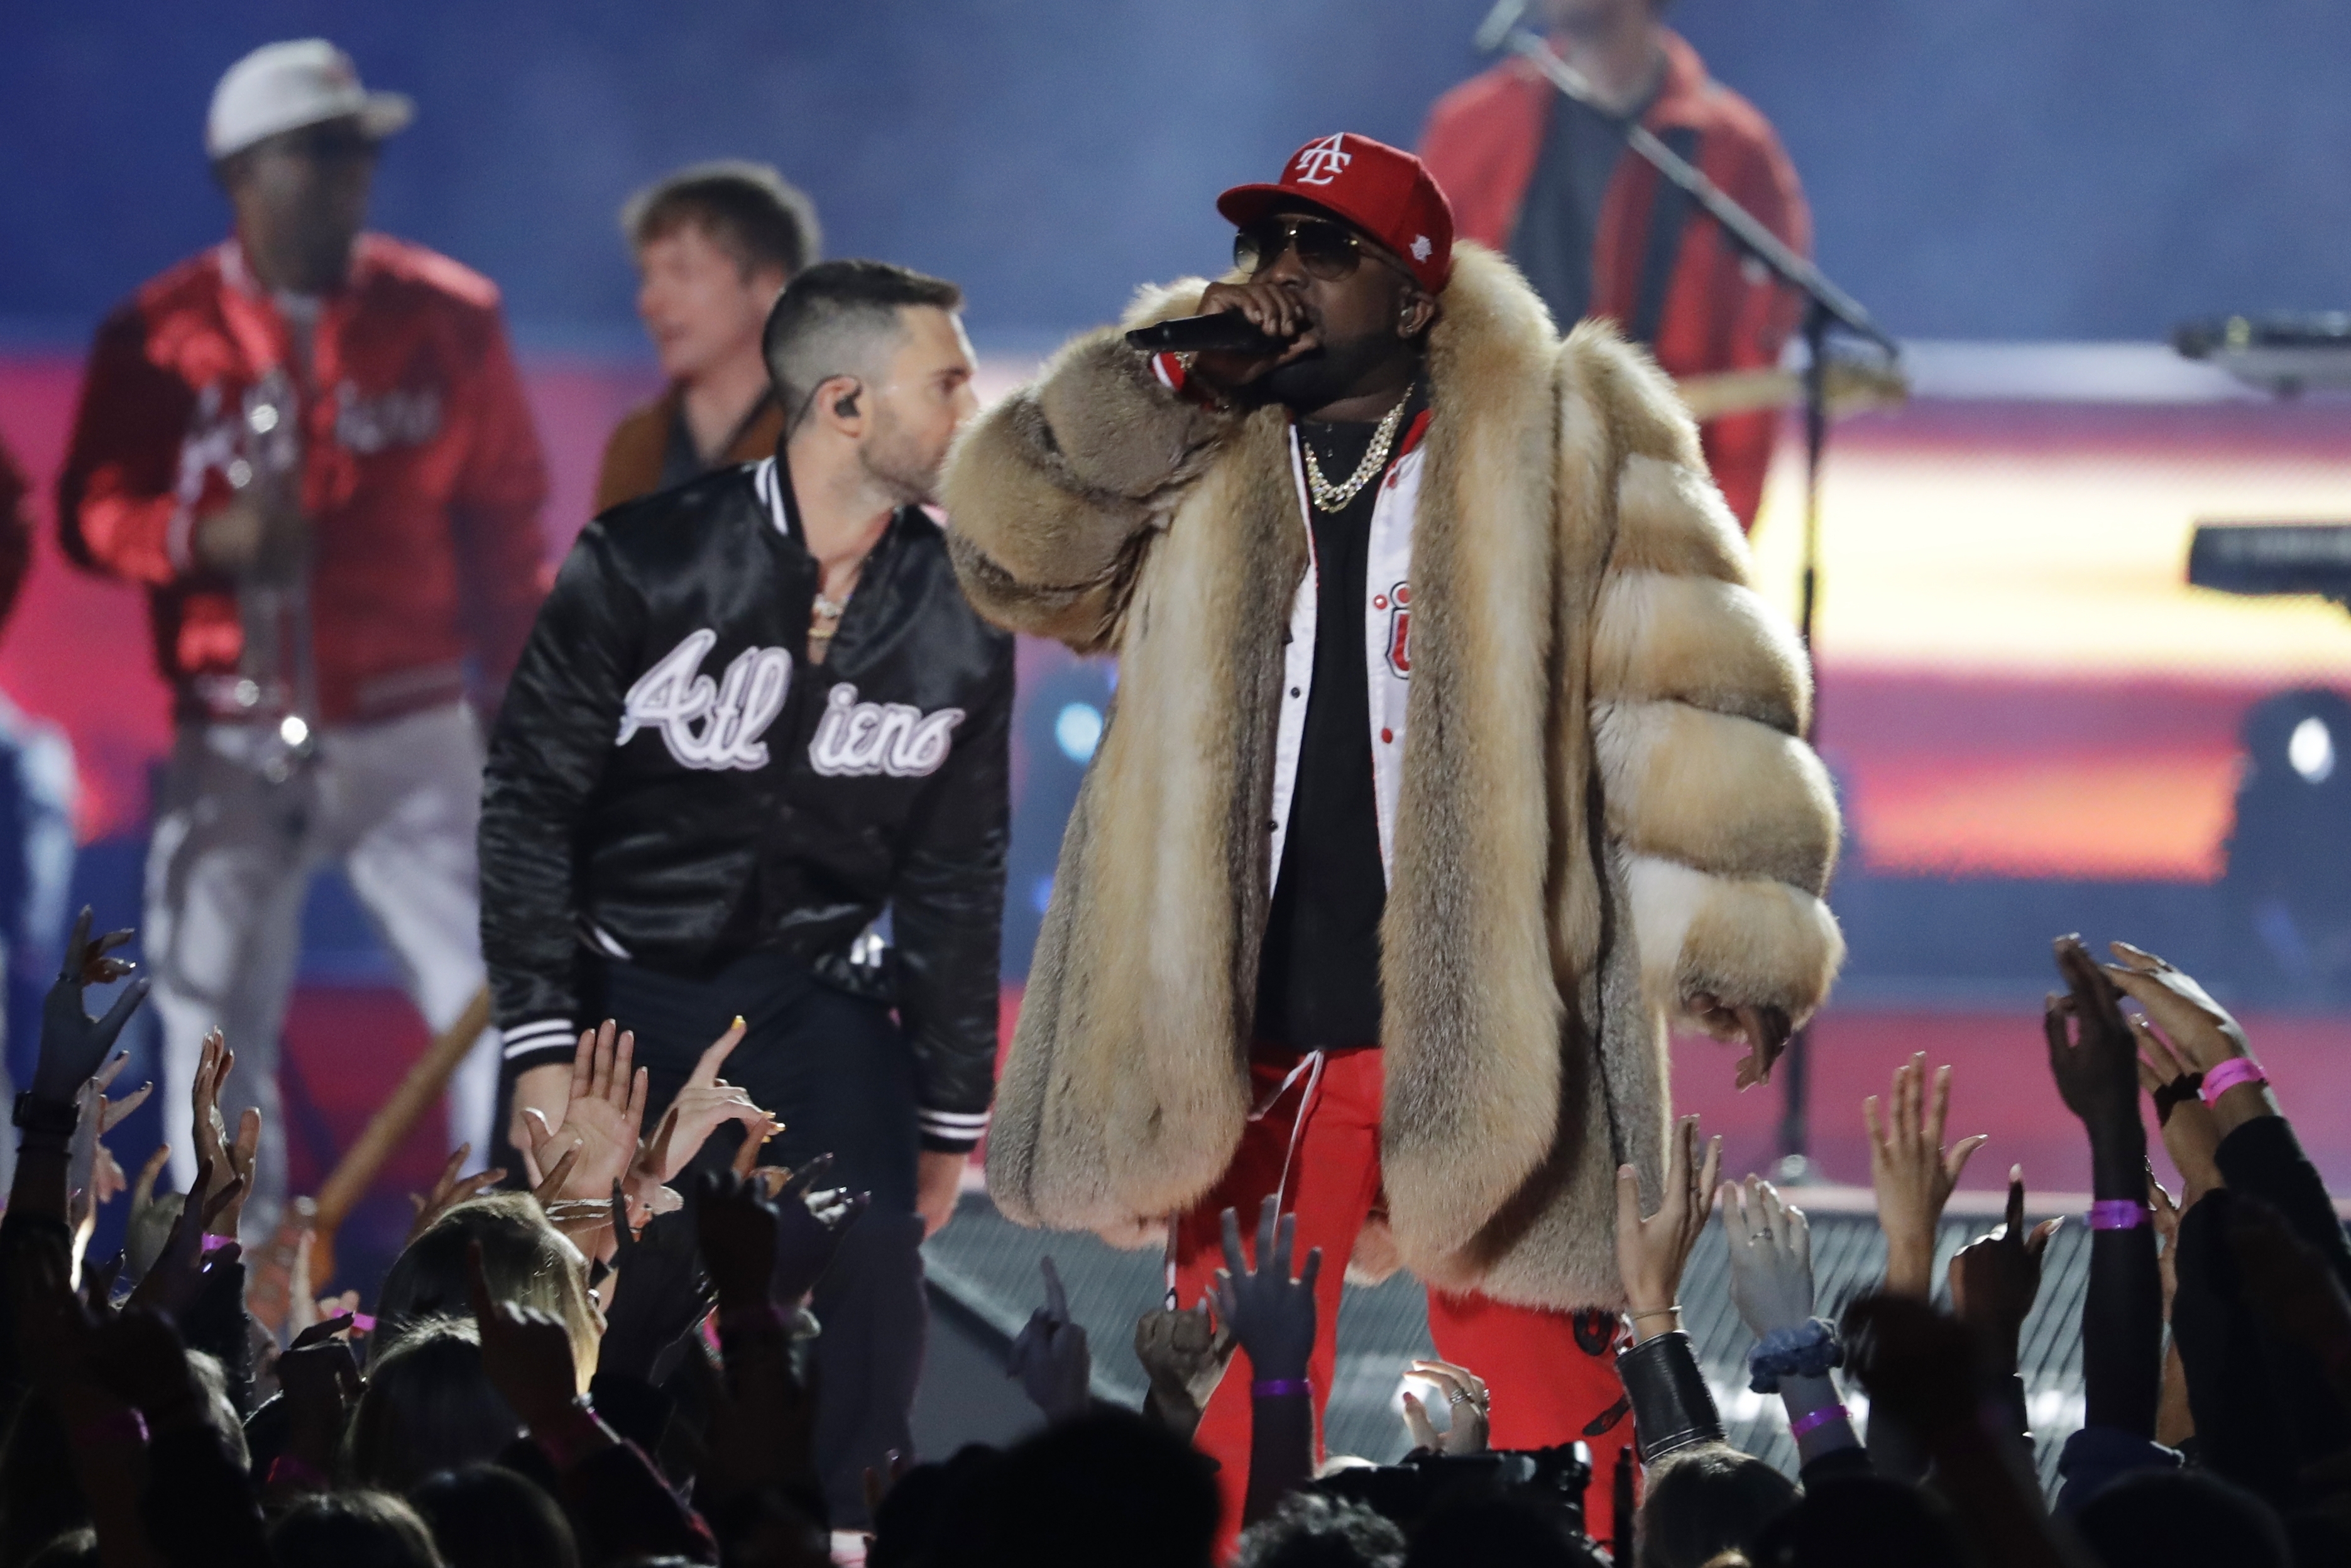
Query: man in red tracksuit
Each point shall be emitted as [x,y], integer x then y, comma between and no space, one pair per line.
[310,446]
[1598,233]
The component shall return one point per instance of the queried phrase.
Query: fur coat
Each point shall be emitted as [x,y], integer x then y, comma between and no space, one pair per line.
[1605,805]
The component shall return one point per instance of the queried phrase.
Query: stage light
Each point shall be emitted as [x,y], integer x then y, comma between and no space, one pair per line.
[293,731]
[1077,730]
[1063,710]
[2285,896]
[2311,750]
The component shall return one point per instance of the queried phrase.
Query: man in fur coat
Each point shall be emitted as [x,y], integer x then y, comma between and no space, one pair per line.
[1452,756]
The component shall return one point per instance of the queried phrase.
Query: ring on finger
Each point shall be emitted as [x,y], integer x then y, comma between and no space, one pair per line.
[1460,1396]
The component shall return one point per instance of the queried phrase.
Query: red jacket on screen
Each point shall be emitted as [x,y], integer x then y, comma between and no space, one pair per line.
[1718,314]
[420,474]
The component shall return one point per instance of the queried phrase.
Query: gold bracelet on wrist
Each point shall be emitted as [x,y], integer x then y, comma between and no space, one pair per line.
[1673,1311]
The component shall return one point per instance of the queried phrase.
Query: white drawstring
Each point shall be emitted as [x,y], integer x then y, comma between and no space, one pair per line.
[1309,1068]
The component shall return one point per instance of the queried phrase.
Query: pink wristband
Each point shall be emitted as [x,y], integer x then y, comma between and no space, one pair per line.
[215,1243]
[2228,1075]
[1812,1421]
[2117,1214]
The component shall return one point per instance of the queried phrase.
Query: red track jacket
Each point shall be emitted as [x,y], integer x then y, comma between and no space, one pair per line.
[1481,142]
[421,476]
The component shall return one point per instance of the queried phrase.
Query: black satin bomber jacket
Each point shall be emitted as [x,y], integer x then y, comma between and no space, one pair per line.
[671,782]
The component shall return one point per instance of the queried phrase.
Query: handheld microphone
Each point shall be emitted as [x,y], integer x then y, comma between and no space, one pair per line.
[1228,330]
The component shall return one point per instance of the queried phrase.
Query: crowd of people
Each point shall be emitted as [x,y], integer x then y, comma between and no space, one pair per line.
[606,1371]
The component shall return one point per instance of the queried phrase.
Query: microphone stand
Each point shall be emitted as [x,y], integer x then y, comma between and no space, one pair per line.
[1827,308]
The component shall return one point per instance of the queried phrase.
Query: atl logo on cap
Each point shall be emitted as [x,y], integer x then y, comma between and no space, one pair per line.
[1323,160]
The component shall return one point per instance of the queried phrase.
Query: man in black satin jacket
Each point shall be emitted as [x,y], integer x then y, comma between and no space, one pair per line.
[757,715]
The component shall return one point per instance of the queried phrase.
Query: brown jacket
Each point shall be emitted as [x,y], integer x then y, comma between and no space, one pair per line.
[633,454]
[1605,807]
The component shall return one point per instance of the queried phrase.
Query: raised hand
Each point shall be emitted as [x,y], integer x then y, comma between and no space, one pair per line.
[72,1043]
[92,1178]
[736,1224]
[1770,1247]
[809,1228]
[230,1159]
[2191,1134]
[2095,1062]
[706,1103]
[656,1295]
[1913,1173]
[151,1218]
[526,1352]
[1465,1392]
[449,1190]
[2201,1030]
[1183,1354]
[320,1379]
[1049,1355]
[177,1277]
[1651,1253]
[1272,1314]
[2164,1214]
[1995,1277]
[601,1121]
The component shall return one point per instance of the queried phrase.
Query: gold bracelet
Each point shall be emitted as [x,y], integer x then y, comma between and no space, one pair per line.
[1657,1312]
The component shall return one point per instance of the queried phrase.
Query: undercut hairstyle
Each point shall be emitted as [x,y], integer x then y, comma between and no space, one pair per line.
[841,318]
[747,210]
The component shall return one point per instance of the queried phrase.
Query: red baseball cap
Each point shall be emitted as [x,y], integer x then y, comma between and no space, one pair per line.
[1382,190]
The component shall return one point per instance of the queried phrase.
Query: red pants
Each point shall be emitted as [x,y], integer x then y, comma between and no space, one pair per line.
[1547,1388]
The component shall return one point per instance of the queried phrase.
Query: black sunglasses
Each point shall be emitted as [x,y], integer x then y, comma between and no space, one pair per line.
[1327,250]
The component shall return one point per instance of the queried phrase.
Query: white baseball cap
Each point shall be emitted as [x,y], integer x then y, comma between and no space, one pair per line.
[283,86]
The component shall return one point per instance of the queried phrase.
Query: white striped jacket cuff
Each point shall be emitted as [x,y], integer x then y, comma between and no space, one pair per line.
[539,1034]
[952,1130]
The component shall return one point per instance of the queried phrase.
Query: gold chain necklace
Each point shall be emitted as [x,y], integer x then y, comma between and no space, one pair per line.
[1329,498]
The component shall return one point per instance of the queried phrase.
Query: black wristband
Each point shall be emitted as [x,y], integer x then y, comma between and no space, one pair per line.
[1672,1406]
[58,1119]
[2168,1096]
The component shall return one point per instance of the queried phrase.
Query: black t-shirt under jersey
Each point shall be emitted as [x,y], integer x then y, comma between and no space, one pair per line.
[1318,975]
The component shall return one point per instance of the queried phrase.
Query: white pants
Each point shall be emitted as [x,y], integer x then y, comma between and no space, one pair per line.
[396,803]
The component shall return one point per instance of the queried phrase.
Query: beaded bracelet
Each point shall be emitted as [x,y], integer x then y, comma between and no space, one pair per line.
[2228,1075]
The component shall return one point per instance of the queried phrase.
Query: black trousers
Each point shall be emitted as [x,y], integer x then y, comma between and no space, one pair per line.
[836,1071]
